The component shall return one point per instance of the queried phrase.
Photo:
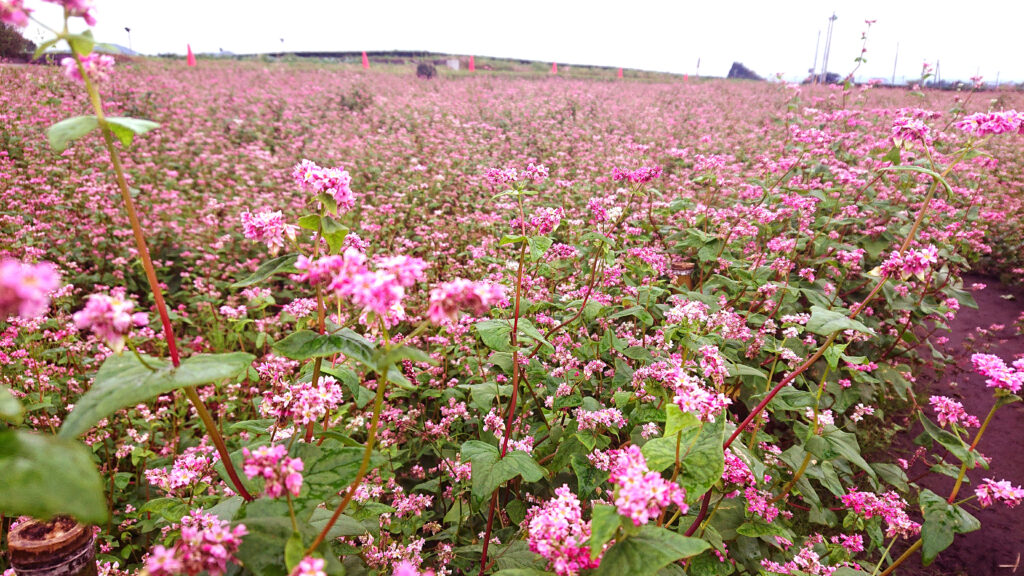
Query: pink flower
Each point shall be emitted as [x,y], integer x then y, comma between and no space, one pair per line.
[13,12]
[25,288]
[207,544]
[77,9]
[640,493]
[556,531]
[268,227]
[501,177]
[110,318]
[279,472]
[992,123]
[641,175]
[310,566]
[999,374]
[990,491]
[97,67]
[448,298]
[950,411]
[889,506]
[334,182]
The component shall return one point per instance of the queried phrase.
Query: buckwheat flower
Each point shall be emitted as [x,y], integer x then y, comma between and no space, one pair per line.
[990,491]
[279,472]
[13,12]
[890,506]
[860,411]
[207,544]
[110,318]
[591,420]
[910,129]
[949,411]
[335,182]
[409,568]
[268,227]
[97,67]
[919,261]
[407,270]
[501,177]
[310,566]
[556,531]
[641,175]
[536,172]
[25,288]
[992,123]
[448,298]
[323,269]
[998,373]
[77,9]
[640,493]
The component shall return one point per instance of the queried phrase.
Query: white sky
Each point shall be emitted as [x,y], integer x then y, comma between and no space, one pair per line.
[769,37]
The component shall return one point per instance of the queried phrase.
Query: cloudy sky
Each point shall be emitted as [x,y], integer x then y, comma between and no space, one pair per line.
[982,36]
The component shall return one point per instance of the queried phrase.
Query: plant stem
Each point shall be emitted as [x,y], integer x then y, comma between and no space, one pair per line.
[154,284]
[884,554]
[902,558]
[974,444]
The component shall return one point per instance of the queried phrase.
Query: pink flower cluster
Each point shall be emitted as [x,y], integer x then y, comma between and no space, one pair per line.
[912,262]
[207,544]
[889,506]
[994,123]
[640,493]
[268,227]
[110,318]
[542,221]
[77,9]
[303,402]
[910,129]
[97,67]
[950,411]
[590,420]
[380,291]
[25,288]
[310,566]
[998,373]
[556,531]
[990,491]
[192,467]
[279,472]
[641,175]
[13,12]
[448,298]
[335,182]
[499,177]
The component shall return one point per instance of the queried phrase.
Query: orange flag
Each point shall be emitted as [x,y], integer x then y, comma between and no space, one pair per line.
[554,67]
[472,65]
[191,60]
[620,72]
[366,62]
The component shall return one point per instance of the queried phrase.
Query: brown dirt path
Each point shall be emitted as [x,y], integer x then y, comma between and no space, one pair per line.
[998,548]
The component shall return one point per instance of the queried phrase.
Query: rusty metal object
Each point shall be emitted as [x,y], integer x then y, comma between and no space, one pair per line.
[60,547]
[682,274]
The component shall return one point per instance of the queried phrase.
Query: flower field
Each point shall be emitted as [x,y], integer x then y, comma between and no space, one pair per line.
[310,319]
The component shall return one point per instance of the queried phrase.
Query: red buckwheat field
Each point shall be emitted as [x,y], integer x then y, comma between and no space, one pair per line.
[306,317]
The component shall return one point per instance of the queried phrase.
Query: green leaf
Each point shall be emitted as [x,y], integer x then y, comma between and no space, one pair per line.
[81,44]
[124,381]
[334,233]
[329,466]
[941,521]
[956,446]
[538,246]
[893,156]
[10,409]
[44,47]
[490,470]
[824,322]
[67,130]
[310,222]
[44,476]
[588,477]
[306,344]
[495,334]
[345,525]
[273,266]
[704,462]
[603,525]
[647,552]
[935,175]
[293,551]
[126,128]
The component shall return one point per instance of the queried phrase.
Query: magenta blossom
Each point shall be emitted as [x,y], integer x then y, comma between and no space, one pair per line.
[998,373]
[279,472]
[990,491]
[25,288]
[334,182]
[640,493]
[13,12]
[310,566]
[556,531]
[97,67]
[268,227]
[77,9]
[207,544]
[110,318]
[992,123]
[448,298]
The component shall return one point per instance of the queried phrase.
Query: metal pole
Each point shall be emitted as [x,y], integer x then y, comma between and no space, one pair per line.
[828,49]
[814,68]
[894,61]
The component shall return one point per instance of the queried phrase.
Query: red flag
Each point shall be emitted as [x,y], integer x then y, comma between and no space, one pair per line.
[472,65]
[620,72]
[366,62]
[554,67]
[686,77]
[191,60]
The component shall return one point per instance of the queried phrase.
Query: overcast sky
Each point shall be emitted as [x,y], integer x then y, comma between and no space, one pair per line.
[981,36]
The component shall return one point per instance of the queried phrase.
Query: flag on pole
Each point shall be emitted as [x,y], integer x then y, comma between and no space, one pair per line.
[191,59]
[472,65]
[366,62]
[554,67]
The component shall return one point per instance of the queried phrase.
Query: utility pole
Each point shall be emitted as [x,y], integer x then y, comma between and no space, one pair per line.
[938,75]
[814,68]
[697,75]
[894,61]
[129,31]
[828,48]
